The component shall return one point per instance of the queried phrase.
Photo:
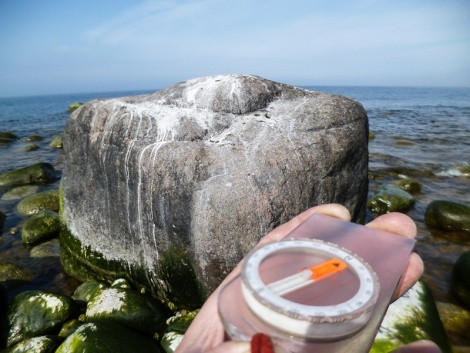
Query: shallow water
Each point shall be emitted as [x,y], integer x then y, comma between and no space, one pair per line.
[420,132]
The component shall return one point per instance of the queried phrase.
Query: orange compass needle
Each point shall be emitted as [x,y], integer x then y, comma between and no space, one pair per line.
[307,276]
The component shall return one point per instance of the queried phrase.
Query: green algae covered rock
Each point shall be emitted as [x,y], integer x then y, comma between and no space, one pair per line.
[129,308]
[39,173]
[409,185]
[460,282]
[46,200]
[121,283]
[456,320]
[411,318]
[30,147]
[181,321]
[56,142]
[41,344]
[170,341]
[42,226]
[69,327]
[48,249]
[34,313]
[105,337]
[447,215]
[88,290]
[74,106]
[390,199]
[20,192]
[12,275]
[7,136]
[32,138]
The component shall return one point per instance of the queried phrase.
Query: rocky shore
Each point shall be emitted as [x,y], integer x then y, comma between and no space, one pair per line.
[116,315]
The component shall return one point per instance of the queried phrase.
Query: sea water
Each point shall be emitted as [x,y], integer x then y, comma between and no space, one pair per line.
[423,133]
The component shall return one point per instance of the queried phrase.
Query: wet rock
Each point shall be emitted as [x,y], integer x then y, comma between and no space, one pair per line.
[447,215]
[34,313]
[20,192]
[7,136]
[39,173]
[69,327]
[465,170]
[88,290]
[105,337]
[47,249]
[456,322]
[33,138]
[390,199]
[74,106]
[460,283]
[41,344]
[180,322]
[30,147]
[121,283]
[129,308]
[42,226]
[404,143]
[12,275]
[195,174]
[170,341]
[56,142]
[46,200]
[411,318]
[409,185]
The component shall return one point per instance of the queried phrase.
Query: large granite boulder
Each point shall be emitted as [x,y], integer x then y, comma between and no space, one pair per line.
[171,189]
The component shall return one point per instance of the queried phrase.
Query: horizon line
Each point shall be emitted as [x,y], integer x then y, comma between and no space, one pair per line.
[144,90]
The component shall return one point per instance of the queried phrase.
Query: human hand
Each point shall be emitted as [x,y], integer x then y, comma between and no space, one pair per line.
[206,333]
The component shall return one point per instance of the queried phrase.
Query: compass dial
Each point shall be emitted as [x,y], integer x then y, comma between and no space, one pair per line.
[309,288]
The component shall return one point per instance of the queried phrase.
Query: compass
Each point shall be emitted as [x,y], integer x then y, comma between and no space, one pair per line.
[309,288]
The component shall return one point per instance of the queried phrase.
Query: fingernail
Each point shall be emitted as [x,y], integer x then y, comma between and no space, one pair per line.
[261,343]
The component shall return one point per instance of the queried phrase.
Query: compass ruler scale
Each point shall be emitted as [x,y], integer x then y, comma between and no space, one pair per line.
[325,287]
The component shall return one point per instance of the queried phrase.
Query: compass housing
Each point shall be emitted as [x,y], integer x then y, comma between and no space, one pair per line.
[331,308]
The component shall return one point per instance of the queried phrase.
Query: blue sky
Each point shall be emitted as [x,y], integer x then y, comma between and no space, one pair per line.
[107,45]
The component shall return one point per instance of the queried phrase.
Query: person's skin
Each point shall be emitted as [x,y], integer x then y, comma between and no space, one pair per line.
[206,333]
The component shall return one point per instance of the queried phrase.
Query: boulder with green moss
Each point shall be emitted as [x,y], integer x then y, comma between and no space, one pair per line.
[129,308]
[39,173]
[181,321]
[409,185]
[56,142]
[34,313]
[105,337]
[460,282]
[20,192]
[46,200]
[121,283]
[69,327]
[42,226]
[41,344]
[411,318]
[7,137]
[88,290]
[12,275]
[32,138]
[48,249]
[447,215]
[390,199]
[456,321]
[30,147]
[74,106]
[170,341]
